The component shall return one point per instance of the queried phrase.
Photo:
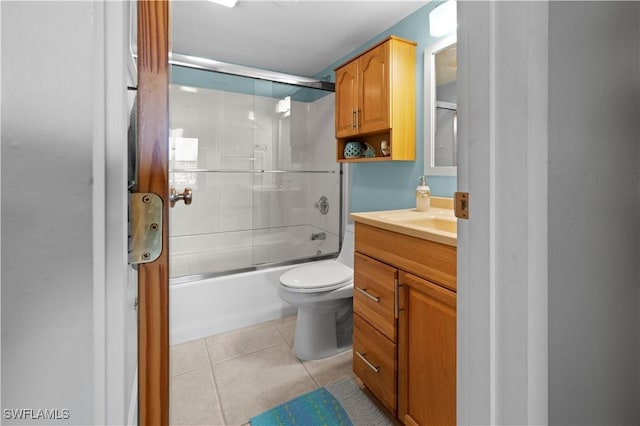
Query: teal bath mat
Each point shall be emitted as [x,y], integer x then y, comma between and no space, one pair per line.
[341,403]
[316,408]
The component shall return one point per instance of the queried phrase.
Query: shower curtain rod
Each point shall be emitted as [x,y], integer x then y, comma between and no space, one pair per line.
[447,105]
[248,171]
[244,71]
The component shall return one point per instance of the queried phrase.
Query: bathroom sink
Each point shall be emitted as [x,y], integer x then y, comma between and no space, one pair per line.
[432,222]
[414,219]
[437,224]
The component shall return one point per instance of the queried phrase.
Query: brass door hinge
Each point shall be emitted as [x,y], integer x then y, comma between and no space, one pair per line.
[146,227]
[461,205]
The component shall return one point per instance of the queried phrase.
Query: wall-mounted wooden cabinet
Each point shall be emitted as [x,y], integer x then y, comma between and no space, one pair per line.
[376,101]
[404,335]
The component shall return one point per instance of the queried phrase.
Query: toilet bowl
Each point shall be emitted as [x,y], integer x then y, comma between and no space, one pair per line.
[323,293]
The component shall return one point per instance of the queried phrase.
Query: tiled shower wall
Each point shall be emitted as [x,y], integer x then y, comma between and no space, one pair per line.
[241,218]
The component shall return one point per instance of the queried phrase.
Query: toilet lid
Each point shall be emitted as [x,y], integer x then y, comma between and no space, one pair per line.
[318,276]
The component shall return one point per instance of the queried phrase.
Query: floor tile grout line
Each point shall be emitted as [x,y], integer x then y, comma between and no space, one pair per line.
[215,383]
[213,365]
[298,359]
[246,353]
[275,323]
[309,373]
[282,344]
[202,367]
[284,340]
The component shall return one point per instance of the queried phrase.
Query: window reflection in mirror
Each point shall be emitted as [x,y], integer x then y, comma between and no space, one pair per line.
[441,113]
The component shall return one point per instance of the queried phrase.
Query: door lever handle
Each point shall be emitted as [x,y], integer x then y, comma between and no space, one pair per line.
[175,196]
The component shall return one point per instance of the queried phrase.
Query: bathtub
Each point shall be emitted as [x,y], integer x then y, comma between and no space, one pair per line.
[215,305]
[201,306]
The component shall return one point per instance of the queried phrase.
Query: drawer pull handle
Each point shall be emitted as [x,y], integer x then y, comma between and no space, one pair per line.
[366,361]
[369,295]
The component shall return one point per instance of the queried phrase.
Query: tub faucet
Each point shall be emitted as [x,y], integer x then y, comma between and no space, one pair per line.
[319,236]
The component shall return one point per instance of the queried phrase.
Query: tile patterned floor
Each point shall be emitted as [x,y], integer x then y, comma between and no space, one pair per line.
[228,378]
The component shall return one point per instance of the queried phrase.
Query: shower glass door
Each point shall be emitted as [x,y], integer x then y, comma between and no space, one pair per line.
[258,156]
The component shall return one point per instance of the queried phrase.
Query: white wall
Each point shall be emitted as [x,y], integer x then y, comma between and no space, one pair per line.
[502,248]
[47,132]
[594,227]
[64,112]
[121,281]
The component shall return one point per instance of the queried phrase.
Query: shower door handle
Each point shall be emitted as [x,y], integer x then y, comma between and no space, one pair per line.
[175,196]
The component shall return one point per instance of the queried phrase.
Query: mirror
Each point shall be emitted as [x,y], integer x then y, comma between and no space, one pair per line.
[441,110]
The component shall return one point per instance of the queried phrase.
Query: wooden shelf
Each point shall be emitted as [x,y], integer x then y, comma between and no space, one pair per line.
[363,160]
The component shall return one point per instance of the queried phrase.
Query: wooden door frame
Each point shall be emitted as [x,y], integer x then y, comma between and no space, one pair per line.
[153,159]
[484,312]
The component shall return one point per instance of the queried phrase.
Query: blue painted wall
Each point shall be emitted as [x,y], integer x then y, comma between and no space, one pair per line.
[391,185]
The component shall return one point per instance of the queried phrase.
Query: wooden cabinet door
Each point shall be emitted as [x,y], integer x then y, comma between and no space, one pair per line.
[374,113]
[426,353]
[346,99]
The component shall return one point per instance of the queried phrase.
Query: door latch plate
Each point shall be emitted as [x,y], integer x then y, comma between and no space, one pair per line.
[461,205]
[146,227]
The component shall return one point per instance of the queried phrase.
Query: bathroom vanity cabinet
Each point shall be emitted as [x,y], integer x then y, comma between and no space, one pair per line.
[376,100]
[404,338]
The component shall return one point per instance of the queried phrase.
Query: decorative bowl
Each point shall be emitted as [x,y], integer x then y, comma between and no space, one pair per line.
[353,149]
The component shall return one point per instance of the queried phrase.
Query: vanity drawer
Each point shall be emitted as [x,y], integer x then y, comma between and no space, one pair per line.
[374,294]
[374,362]
[427,259]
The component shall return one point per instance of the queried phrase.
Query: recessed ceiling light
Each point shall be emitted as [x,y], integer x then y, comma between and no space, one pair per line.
[228,3]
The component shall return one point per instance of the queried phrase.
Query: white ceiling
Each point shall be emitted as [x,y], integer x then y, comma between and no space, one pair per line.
[299,37]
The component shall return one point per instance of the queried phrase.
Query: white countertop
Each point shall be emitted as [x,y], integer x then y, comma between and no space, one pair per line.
[437,224]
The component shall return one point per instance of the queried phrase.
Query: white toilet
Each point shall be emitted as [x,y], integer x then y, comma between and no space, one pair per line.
[323,293]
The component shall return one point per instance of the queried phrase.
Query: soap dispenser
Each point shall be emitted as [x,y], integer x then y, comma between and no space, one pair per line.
[423,195]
